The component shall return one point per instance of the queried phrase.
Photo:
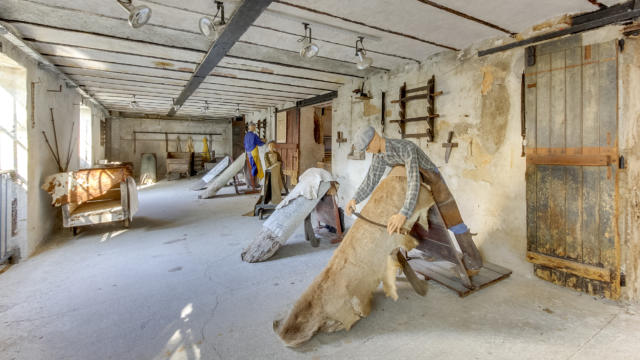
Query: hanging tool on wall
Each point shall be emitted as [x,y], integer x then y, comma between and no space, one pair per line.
[362,95]
[56,153]
[523,123]
[449,145]
[383,108]
[33,103]
[70,148]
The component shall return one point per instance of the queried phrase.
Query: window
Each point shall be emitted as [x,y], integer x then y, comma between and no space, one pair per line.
[13,117]
[85,139]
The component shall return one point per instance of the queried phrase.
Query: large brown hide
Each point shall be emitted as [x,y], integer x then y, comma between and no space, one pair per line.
[83,185]
[342,293]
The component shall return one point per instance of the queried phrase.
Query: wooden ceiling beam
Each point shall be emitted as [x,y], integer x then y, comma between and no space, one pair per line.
[244,16]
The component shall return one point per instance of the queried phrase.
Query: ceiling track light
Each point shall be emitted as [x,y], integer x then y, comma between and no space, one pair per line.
[211,28]
[138,15]
[309,49]
[361,53]
[134,104]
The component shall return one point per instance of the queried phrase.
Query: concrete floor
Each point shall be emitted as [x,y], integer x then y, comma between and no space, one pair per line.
[173,287]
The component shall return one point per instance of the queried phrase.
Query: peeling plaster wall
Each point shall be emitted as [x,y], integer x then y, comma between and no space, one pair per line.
[481,104]
[43,219]
[122,139]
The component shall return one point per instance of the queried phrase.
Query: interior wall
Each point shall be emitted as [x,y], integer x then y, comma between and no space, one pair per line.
[50,92]
[481,103]
[121,146]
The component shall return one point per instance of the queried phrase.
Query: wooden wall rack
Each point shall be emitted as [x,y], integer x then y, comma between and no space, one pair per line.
[405,96]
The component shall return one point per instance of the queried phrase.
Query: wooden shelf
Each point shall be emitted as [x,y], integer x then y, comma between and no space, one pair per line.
[414,119]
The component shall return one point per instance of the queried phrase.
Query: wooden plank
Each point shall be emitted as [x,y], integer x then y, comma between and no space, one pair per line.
[557,211]
[557,102]
[573,97]
[543,103]
[415,136]
[496,268]
[559,45]
[590,94]
[558,277]
[543,188]
[574,213]
[607,216]
[560,159]
[583,270]
[414,119]
[608,95]
[531,197]
[608,124]
[542,272]
[590,218]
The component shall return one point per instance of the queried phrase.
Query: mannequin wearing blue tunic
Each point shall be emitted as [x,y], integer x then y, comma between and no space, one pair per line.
[251,143]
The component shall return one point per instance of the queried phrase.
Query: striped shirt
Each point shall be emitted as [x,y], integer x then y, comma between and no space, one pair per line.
[397,152]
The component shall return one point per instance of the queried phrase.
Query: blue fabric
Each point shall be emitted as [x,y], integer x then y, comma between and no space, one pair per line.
[251,140]
[254,167]
[459,229]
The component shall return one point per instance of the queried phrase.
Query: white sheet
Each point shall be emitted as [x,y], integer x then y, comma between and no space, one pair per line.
[308,185]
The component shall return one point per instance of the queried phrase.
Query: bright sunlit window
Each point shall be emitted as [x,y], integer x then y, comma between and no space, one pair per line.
[84,142]
[13,117]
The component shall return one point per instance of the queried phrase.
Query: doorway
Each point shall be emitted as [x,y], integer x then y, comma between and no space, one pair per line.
[571,121]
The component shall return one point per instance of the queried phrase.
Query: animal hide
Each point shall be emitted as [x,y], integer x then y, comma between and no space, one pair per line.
[342,293]
[80,186]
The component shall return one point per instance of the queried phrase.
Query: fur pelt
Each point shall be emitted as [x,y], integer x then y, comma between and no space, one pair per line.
[341,294]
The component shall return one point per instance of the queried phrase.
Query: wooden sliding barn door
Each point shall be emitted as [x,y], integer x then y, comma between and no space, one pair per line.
[572,128]
[290,150]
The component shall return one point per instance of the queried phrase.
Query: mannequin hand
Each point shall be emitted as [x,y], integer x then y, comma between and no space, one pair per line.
[351,207]
[395,223]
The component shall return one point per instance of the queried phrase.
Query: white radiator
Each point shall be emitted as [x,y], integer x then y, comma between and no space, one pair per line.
[8,213]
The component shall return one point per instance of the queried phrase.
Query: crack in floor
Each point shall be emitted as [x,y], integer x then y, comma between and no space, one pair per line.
[593,336]
[202,332]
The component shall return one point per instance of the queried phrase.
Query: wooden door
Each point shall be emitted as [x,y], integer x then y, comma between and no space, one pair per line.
[571,128]
[290,149]
[238,129]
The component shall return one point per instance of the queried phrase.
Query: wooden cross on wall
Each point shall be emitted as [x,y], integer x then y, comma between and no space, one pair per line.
[449,145]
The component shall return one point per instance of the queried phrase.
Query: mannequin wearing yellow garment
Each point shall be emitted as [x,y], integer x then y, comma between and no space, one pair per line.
[273,163]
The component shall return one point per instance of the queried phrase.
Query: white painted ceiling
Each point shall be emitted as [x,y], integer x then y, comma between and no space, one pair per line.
[91,42]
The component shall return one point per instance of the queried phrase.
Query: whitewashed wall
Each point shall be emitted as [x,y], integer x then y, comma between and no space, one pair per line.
[43,219]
